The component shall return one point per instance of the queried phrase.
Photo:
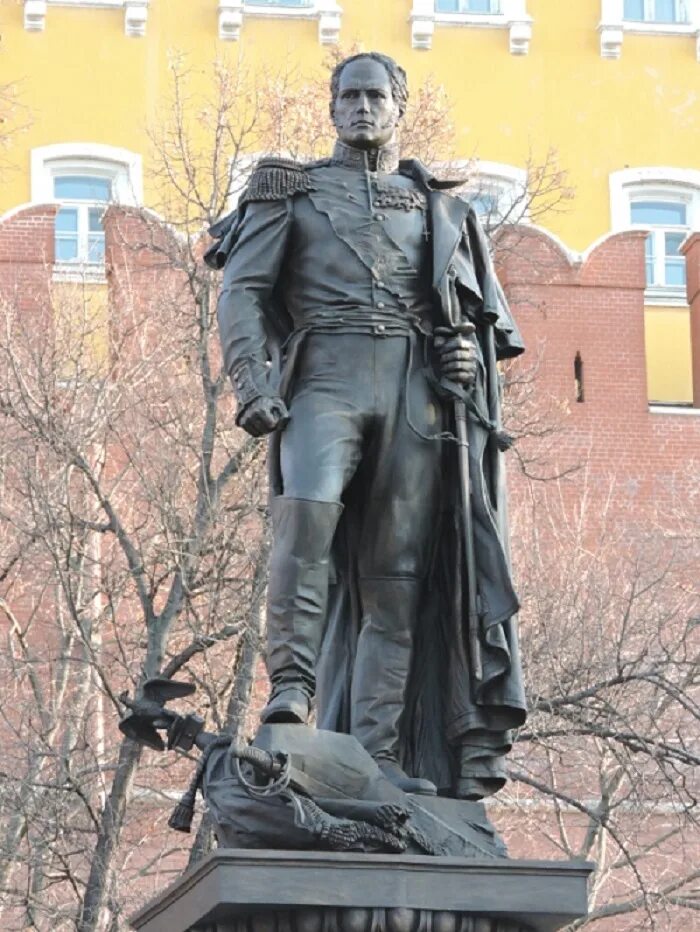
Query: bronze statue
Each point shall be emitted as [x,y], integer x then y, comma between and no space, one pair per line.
[361,323]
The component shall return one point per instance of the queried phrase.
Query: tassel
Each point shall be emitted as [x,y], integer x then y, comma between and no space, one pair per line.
[182,815]
[504,441]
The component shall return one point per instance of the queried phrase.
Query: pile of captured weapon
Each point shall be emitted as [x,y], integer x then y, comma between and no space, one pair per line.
[299,787]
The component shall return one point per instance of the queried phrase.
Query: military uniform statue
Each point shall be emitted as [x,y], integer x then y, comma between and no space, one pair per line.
[347,286]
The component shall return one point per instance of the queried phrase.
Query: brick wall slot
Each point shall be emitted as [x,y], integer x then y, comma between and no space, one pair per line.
[578,376]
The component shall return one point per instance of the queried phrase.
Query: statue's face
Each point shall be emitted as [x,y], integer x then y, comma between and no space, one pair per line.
[365,112]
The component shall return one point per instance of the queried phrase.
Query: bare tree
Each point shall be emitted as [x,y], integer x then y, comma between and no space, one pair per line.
[133,543]
[133,539]
[605,767]
[128,552]
[14,116]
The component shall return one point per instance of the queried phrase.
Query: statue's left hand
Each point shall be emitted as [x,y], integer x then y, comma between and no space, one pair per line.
[457,358]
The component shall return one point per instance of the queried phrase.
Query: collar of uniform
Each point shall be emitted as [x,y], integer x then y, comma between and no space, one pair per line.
[385,159]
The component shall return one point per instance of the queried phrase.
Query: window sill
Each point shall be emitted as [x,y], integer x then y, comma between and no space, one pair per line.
[613,31]
[514,18]
[499,20]
[282,12]
[667,297]
[88,273]
[327,12]
[135,13]
[659,29]
[657,407]
[97,3]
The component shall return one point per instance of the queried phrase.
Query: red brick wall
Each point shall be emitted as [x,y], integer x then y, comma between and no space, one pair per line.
[27,255]
[595,307]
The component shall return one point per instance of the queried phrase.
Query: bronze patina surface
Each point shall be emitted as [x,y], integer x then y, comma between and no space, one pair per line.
[359,316]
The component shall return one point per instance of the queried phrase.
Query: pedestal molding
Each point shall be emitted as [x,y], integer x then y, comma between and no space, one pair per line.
[544,895]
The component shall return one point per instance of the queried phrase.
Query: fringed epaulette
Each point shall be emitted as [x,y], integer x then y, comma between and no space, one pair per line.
[274,179]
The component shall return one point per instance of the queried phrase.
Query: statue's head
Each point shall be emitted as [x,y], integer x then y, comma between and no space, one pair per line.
[368,99]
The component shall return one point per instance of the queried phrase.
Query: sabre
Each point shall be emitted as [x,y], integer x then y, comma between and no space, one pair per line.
[460,415]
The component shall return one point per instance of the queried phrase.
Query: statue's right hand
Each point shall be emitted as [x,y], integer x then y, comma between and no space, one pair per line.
[263,415]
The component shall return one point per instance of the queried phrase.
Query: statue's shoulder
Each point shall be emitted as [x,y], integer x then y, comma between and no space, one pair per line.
[274,179]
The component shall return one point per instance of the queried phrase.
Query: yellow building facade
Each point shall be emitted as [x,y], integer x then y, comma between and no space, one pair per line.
[612,86]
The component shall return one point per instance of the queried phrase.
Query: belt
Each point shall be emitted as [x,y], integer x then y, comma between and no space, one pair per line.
[384,323]
[369,320]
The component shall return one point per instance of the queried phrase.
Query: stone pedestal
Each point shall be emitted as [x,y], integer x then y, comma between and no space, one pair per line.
[235,890]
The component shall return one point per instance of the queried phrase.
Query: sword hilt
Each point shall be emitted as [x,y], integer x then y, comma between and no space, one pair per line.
[442,334]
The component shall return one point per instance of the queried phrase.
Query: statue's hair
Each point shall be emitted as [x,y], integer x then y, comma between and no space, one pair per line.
[397,77]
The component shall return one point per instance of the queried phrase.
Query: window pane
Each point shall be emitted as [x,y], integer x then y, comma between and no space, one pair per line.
[96,248]
[675,272]
[667,11]
[486,205]
[650,259]
[658,213]
[95,220]
[67,220]
[82,188]
[66,248]
[467,6]
[479,6]
[634,9]
[673,243]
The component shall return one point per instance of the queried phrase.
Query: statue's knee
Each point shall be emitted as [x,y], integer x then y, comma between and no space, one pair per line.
[303,527]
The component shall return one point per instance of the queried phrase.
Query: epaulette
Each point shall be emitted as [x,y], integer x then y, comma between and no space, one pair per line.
[274,179]
[319,163]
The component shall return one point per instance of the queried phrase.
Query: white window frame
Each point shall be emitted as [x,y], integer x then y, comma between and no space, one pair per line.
[121,166]
[327,12]
[506,182]
[135,13]
[471,13]
[681,9]
[657,233]
[613,26]
[661,184]
[513,16]
[280,8]
[83,232]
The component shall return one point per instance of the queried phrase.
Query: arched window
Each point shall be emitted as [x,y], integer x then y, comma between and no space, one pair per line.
[668,218]
[80,236]
[497,192]
[665,201]
[83,178]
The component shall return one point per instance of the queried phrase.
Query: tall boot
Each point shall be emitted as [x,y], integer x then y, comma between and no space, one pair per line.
[382,666]
[297,596]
